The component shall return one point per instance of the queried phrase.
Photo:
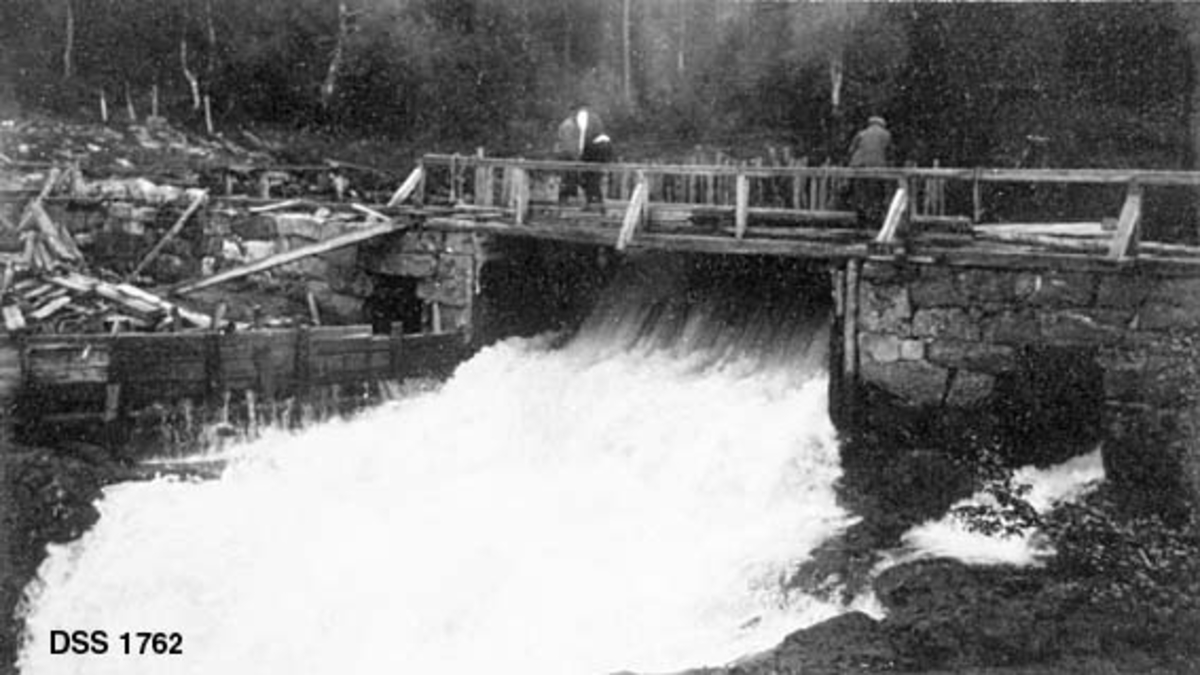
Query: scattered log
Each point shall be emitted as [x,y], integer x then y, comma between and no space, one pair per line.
[348,239]
[199,199]
[47,310]
[13,319]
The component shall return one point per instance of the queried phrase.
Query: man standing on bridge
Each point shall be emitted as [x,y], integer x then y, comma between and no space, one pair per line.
[871,147]
[581,138]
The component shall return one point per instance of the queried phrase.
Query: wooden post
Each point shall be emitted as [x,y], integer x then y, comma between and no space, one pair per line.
[520,194]
[977,200]
[304,361]
[742,217]
[850,324]
[314,312]
[112,402]
[208,123]
[395,350]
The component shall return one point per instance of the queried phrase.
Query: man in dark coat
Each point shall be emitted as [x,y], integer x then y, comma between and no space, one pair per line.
[871,147]
[581,138]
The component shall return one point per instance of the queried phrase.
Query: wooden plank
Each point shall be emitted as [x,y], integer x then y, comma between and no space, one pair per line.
[1124,243]
[342,241]
[408,187]
[197,201]
[635,214]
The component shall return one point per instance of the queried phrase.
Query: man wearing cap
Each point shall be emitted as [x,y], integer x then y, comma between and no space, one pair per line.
[581,138]
[871,147]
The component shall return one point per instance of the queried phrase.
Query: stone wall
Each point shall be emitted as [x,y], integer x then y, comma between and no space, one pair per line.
[117,232]
[941,339]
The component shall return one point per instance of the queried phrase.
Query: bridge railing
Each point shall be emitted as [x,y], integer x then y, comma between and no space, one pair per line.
[805,202]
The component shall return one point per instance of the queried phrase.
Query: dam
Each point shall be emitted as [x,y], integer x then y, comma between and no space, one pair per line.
[958,302]
[641,436]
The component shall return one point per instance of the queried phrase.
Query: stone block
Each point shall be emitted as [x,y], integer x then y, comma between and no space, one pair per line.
[1160,317]
[408,265]
[312,268]
[879,348]
[882,273]
[885,308]
[300,225]
[257,250]
[968,388]
[917,383]
[459,243]
[1123,290]
[1083,327]
[422,242]
[950,323]
[1176,293]
[937,290]
[454,291]
[456,265]
[1013,327]
[255,227]
[1054,289]
[988,287]
[976,356]
[912,350]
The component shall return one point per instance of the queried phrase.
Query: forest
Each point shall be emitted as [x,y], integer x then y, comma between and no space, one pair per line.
[963,84]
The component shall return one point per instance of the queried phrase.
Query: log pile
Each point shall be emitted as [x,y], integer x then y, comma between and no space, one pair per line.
[44,288]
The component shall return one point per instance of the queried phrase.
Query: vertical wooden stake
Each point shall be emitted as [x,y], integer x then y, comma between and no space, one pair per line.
[154,100]
[112,402]
[436,309]
[314,312]
[208,123]
[103,107]
[742,218]
[850,323]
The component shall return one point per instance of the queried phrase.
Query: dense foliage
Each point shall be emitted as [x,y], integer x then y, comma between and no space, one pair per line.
[964,83]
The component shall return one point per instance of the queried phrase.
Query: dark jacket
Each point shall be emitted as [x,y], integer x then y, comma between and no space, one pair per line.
[574,138]
[872,147]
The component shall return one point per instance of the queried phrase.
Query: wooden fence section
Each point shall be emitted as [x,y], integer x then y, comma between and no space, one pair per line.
[945,215]
[104,374]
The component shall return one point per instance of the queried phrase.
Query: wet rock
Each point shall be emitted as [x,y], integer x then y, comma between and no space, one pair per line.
[848,643]
[942,613]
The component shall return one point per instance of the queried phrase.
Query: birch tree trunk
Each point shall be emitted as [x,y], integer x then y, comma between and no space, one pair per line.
[329,85]
[627,51]
[69,47]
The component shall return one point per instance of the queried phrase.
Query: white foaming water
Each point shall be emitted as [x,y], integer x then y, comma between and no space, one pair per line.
[630,501]
[951,538]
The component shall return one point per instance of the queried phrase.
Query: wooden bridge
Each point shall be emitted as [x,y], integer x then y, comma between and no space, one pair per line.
[795,211]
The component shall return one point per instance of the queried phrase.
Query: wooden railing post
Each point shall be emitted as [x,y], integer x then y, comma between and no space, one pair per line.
[896,214]
[742,214]
[520,205]
[1124,243]
[635,214]
[409,186]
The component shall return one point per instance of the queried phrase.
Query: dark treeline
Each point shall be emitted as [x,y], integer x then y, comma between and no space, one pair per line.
[1056,84]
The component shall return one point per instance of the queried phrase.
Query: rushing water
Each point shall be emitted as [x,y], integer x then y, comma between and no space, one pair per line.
[629,500]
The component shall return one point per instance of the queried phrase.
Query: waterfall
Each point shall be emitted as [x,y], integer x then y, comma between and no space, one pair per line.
[630,498]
